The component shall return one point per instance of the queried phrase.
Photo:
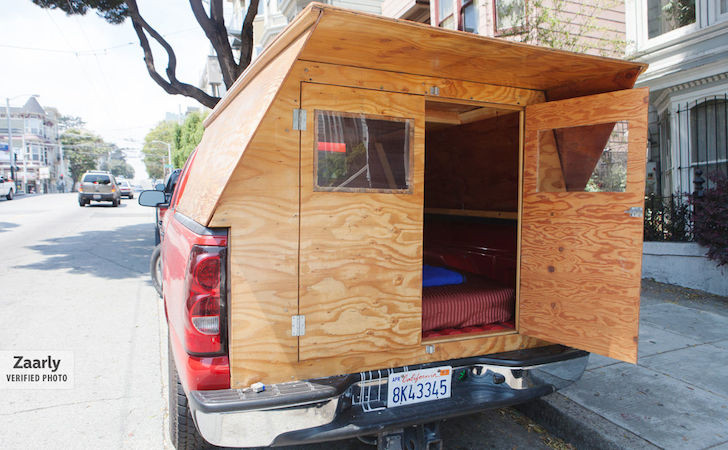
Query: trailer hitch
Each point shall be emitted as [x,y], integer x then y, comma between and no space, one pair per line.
[419,437]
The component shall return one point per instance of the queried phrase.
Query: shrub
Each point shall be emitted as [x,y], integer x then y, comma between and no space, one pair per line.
[710,218]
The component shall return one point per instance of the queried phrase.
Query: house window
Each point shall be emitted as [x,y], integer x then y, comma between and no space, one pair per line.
[509,14]
[444,9]
[668,15]
[469,17]
[362,153]
[708,143]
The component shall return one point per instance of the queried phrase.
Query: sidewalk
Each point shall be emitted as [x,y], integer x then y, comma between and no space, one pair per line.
[675,397]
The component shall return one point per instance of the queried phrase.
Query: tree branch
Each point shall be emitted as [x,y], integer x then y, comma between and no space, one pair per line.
[246,36]
[214,28]
[171,86]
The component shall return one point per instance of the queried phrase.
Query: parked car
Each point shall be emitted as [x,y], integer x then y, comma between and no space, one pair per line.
[381,245]
[7,188]
[98,186]
[125,189]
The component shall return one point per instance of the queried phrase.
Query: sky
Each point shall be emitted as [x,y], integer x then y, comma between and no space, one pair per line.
[87,67]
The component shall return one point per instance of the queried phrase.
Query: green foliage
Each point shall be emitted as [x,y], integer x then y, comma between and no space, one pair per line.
[82,149]
[117,164]
[67,122]
[155,154]
[113,11]
[189,137]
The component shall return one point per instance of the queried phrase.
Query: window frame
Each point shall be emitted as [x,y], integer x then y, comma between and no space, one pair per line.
[512,30]
[644,42]
[461,5]
[409,176]
[436,13]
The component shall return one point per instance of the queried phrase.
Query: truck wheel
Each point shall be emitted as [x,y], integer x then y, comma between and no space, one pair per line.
[10,195]
[115,203]
[155,268]
[81,203]
[182,430]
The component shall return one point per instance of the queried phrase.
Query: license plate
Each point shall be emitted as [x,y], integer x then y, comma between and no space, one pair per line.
[96,197]
[416,386]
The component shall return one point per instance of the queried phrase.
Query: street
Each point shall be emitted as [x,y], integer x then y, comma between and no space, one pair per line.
[77,279]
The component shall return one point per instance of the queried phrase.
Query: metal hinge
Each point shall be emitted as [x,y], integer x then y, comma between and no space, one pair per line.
[635,211]
[435,90]
[299,119]
[298,325]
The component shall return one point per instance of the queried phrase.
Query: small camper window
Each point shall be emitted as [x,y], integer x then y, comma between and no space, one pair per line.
[362,153]
[591,158]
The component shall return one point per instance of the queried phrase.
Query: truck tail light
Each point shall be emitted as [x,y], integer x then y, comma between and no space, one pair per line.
[80,188]
[205,286]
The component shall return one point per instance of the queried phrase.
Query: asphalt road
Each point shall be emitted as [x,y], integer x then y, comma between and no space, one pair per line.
[77,279]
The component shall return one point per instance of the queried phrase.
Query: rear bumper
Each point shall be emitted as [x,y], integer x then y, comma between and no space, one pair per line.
[95,196]
[355,405]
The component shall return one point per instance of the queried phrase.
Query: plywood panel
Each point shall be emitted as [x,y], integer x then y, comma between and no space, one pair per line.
[227,137]
[474,166]
[407,47]
[260,205]
[361,252]
[448,88]
[580,252]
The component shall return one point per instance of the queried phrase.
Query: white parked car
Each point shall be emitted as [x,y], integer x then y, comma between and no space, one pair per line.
[7,188]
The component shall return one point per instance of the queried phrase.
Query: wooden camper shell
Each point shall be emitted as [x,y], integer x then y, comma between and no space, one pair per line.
[293,250]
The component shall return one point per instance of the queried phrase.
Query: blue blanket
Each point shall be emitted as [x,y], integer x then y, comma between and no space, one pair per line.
[440,276]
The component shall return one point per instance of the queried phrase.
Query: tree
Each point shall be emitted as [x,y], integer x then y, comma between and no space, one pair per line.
[155,154]
[83,150]
[117,164]
[210,20]
[189,137]
[67,122]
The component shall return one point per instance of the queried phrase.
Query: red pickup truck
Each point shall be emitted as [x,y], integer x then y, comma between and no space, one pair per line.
[365,244]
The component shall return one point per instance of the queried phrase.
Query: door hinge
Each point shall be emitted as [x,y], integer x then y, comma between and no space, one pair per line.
[635,211]
[434,90]
[299,119]
[298,325]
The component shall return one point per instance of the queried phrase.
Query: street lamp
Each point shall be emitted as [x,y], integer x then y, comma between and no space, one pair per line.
[13,159]
[169,152]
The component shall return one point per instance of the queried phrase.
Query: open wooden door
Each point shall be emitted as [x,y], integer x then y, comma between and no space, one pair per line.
[581,235]
[360,269]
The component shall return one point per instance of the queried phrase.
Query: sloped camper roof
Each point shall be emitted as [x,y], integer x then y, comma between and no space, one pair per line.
[325,34]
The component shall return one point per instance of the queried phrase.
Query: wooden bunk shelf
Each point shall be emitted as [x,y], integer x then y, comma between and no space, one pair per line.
[510,215]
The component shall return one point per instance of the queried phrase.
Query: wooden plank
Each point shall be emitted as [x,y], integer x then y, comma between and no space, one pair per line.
[473,213]
[260,205]
[227,137]
[360,253]
[580,252]
[449,89]
[407,47]
[550,173]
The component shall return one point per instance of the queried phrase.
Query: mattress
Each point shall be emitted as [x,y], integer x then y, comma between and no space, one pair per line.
[478,301]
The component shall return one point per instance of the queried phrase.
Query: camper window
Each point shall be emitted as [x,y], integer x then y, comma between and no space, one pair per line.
[362,153]
[590,158]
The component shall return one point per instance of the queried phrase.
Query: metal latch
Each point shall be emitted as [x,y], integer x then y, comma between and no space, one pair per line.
[635,211]
[298,325]
[299,119]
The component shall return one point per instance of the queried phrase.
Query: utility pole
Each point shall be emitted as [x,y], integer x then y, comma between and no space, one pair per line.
[10,140]
[169,153]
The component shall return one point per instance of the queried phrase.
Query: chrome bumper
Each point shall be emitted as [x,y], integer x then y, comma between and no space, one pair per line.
[355,405]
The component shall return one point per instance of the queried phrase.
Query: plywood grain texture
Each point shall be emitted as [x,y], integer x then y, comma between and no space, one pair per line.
[408,47]
[580,252]
[360,253]
[226,139]
[448,88]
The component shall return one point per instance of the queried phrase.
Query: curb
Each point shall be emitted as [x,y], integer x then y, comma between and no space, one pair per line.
[579,426]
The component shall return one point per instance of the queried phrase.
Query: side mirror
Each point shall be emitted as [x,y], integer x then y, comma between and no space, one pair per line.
[152,198]
[159,187]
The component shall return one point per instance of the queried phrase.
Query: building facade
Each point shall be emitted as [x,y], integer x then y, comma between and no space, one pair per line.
[594,26]
[35,149]
[686,44]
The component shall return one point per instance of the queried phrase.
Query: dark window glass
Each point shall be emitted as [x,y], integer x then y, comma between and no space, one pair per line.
[470,18]
[668,15]
[94,178]
[356,152]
